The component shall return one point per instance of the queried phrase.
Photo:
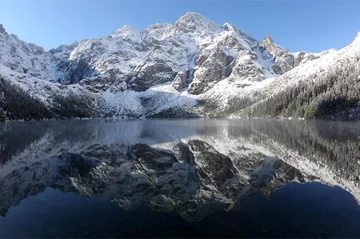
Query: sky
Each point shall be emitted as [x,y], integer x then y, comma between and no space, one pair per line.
[299,25]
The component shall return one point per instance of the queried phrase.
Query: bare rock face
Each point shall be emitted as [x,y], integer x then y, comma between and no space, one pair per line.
[75,71]
[245,68]
[212,70]
[284,59]
[303,57]
[149,75]
[270,46]
[2,29]
[180,81]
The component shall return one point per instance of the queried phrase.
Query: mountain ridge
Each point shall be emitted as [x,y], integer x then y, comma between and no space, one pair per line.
[193,67]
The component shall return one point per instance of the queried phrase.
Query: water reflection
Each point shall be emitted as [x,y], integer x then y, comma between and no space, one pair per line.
[192,167]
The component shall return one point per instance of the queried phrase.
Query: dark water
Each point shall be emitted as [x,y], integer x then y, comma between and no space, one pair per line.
[180,178]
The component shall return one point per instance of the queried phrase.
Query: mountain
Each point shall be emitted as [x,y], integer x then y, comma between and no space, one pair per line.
[193,68]
[327,87]
[284,59]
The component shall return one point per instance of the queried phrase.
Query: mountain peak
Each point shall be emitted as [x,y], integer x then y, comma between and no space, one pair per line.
[269,44]
[128,32]
[2,29]
[193,16]
[229,26]
[194,21]
[267,39]
[126,28]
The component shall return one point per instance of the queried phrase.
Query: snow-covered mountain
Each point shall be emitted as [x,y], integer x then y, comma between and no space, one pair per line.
[192,68]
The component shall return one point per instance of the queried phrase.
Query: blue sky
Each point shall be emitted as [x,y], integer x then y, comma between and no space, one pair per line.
[310,25]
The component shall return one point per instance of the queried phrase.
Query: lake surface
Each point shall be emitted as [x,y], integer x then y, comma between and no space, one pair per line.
[180,178]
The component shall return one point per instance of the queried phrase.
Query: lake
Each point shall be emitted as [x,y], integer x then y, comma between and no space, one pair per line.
[180,178]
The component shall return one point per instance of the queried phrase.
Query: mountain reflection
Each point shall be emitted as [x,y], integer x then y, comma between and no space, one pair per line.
[193,167]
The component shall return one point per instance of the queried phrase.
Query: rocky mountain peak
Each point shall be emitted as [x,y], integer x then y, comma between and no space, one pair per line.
[155,31]
[126,29]
[195,22]
[283,58]
[270,46]
[268,37]
[266,41]
[229,27]
[2,29]
[193,17]
[128,32]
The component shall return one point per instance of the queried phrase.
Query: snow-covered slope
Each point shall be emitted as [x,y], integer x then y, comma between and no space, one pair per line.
[194,67]
[326,86]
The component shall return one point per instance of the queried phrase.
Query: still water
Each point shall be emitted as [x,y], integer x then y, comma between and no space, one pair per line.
[180,178]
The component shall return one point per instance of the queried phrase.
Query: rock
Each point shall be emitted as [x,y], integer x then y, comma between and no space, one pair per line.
[303,57]
[191,22]
[211,71]
[283,58]
[180,81]
[151,74]
[2,29]
[268,44]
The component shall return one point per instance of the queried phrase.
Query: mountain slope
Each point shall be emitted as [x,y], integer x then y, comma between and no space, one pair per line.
[193,68]
[328,86]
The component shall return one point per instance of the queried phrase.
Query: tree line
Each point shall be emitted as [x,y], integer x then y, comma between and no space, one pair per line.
[324,93]
[16,103]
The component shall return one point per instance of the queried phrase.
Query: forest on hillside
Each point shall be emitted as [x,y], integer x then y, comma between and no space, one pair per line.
[327,93]
[16,104]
